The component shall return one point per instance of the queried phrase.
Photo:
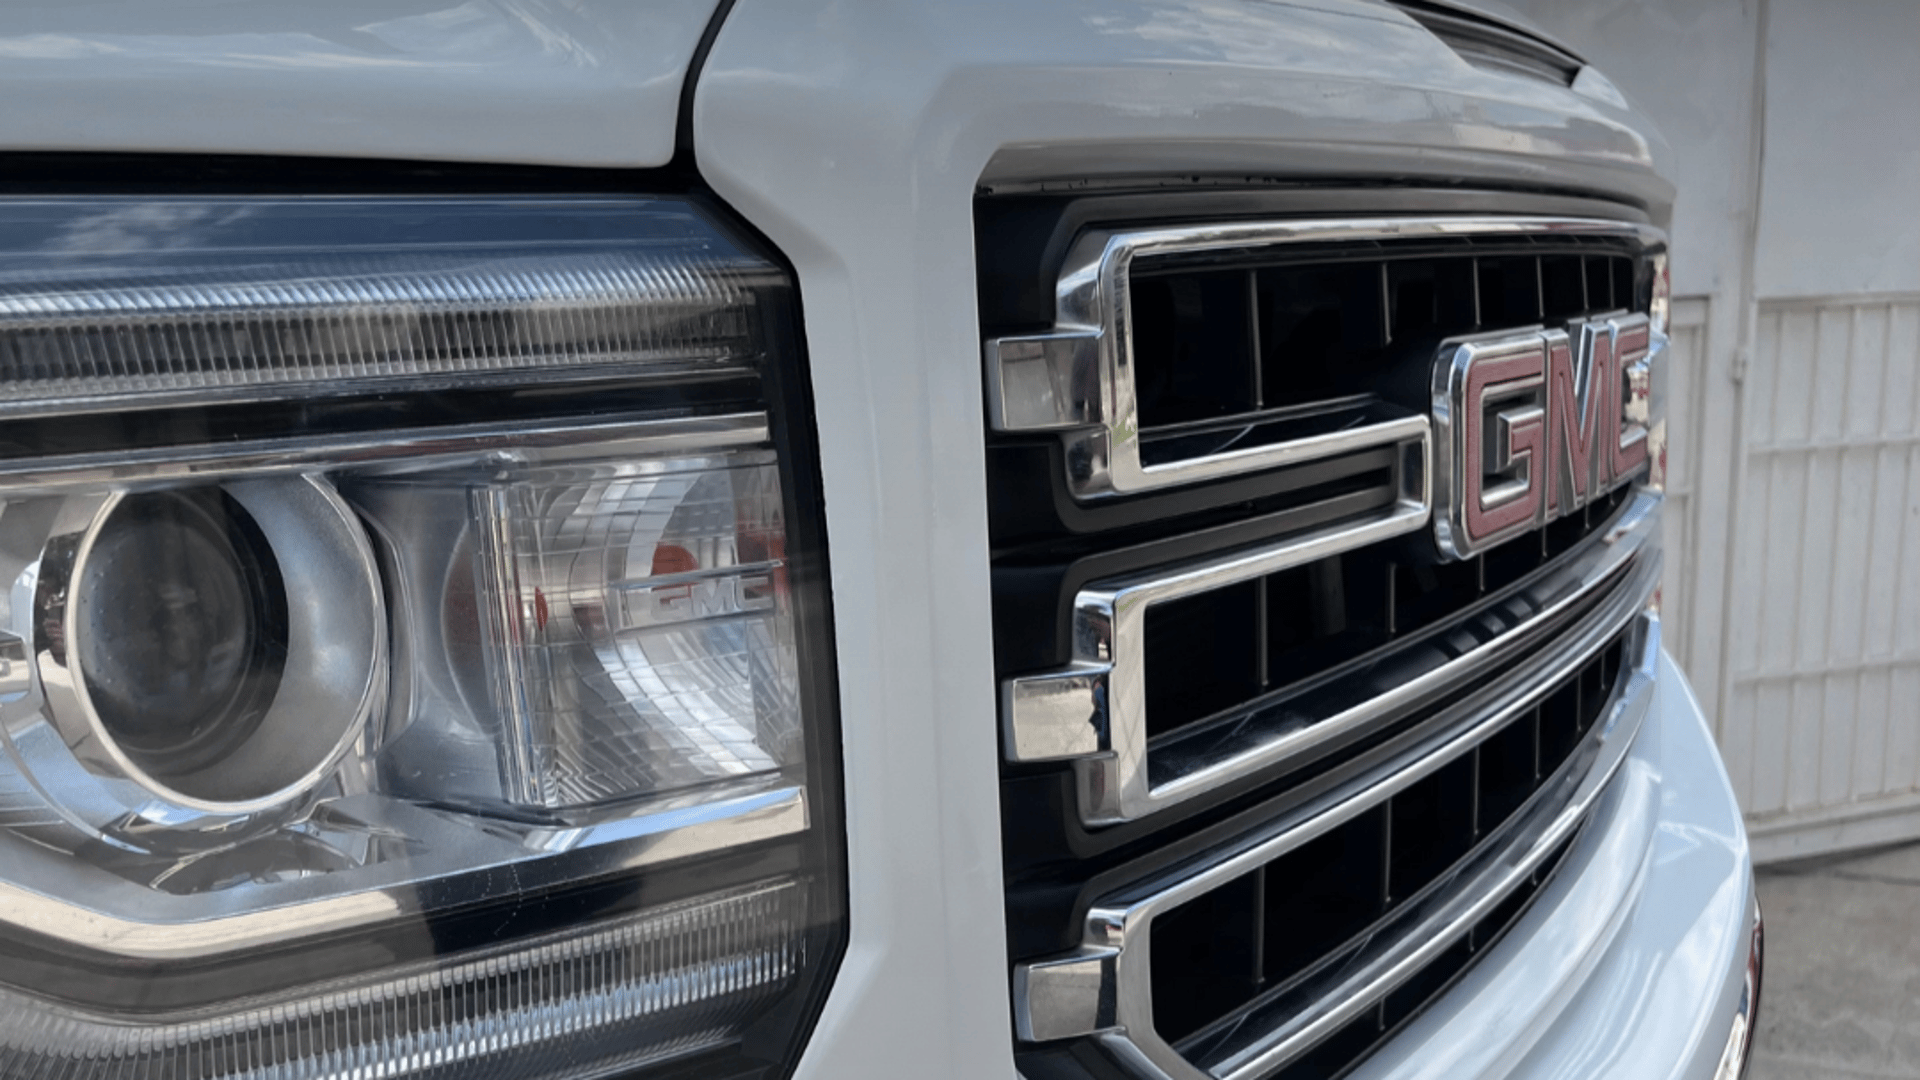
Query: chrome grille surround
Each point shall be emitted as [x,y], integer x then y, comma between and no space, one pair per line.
[1104,988]
[1077,379]
[1360,733]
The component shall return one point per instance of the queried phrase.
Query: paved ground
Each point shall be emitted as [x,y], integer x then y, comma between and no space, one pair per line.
[1841,998]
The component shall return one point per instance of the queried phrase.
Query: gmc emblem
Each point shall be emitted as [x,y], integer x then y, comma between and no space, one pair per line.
[1532,425]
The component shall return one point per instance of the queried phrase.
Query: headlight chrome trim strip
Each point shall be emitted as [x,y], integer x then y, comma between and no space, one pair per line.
[533,443]
[676,829]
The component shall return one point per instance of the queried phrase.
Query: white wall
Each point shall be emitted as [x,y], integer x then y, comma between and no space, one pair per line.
[1840,210]
[1793,592]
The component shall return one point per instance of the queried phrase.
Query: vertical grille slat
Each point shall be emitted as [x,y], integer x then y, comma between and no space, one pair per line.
[1202,655]
[1600,281]
[1509,290]
[1323,332]
[1207,946]
[1216,344]
[1433,827]
[1563,287]
[1506,774]
[1624,295]
[1327,890]
[1406,1002]
[1432,298]
[1330,1058]
[1193,337]
[1319,616]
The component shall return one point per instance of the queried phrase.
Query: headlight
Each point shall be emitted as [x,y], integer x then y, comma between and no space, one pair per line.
[414,658]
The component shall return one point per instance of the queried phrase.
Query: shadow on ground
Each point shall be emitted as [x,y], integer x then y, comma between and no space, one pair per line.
[1841,998]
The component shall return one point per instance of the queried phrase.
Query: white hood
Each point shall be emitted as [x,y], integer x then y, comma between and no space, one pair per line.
[580,82]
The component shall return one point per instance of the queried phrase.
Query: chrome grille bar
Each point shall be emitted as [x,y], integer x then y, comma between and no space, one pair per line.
[1095,706]
[1078,379]
[1104,989]
[1093,711]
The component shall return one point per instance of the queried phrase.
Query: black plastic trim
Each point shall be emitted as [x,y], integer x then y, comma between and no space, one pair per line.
[42,173]
[1021,238]
[683,161]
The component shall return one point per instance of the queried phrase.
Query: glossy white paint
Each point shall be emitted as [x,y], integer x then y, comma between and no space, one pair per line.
[583,82]
[855,136]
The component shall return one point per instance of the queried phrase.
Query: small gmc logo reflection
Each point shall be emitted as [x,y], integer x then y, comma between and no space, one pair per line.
[1531,425]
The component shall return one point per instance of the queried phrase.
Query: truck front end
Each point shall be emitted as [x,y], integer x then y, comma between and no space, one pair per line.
[1073,540]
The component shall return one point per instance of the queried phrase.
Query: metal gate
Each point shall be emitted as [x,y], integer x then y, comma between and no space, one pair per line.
[1819,695]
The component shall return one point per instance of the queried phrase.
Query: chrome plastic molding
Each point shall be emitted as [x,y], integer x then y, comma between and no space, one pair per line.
[334,675]
[132,923]
[422,448]
[1104,989]
[1077,379]
[1746,1012]
[1459,424]
[1093,711]
[1096,705]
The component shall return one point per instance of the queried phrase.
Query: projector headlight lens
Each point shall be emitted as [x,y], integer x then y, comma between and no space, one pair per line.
[219,647]
[181,628]
[415,655]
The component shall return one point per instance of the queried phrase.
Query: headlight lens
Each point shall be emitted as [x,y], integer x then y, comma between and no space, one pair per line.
[414,656]
[182,622]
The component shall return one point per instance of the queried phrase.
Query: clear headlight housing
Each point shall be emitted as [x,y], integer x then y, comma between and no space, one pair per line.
[414,655]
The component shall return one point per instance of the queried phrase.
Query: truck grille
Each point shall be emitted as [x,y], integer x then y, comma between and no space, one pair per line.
[1255,940]
[1277,767]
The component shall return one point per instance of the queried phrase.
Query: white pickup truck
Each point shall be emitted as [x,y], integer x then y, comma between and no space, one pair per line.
[1071,539]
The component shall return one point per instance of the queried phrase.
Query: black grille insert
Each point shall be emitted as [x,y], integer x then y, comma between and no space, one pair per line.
[1202,654]
[1266,933]
[1340,1052]
[1202,325]
[1246,646]
[1226,347]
